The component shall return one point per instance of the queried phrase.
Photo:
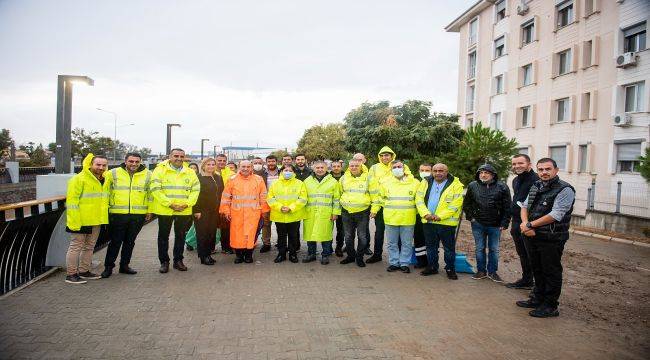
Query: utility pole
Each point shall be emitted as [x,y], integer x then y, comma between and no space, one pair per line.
[203,142]
[169,137]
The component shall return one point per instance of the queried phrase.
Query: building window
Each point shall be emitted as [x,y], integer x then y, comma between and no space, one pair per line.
[499,47]
[527,74]
[471,65]
[498,84]
[527,32]
[564,13]
[634,38]
[587,47]
[525,116]
[558,153]
[469,122]
[473,31]
[562,110]
[627,157]
[582,158]
[470,98]
[500,8]
[585,106]
[523,150]
[634,97]
[495,121]
[564,62]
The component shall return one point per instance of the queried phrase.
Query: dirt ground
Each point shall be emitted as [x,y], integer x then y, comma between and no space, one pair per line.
[608,292]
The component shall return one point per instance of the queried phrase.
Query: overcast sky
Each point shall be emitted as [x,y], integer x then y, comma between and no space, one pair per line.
[241,72]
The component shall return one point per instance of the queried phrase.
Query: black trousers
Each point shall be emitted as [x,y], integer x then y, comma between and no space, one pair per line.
[181,225]
[380,228]
[546,262]
[520,246]
[206,233]
[288,232]
[123,229]
[356,223]
[419,244]
[340,233]
[225,238]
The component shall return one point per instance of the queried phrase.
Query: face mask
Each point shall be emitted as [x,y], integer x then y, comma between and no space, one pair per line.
[398,172]
[257,167]
[287,175]
[424,174]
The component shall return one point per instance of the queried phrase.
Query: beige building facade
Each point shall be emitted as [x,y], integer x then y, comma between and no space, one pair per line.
[568,79]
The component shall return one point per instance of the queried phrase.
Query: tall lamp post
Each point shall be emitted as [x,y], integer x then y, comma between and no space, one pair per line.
[215,151]
[203,142]
[64,120]
[169,137]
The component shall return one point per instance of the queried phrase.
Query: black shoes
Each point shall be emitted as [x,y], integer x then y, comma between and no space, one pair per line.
[528,304]
[429,271]
[325,260]
[89,276]
[164,267]
[280,258]
[74,279]
[373,259]
[479,275]
[544,312]
[178,265]
[208,260]
[126,270]
[405,269]
[368,252]
[495,277]
[107,273]
[391,268]
[265,248]
[521,284]
[451,275]
[347,260]
[293,258]
[338,252]
[360,262]
[248,257]
[308,259]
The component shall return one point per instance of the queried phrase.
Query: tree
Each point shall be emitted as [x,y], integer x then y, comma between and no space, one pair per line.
[279,154]
[5,139]
[37,155]
[410,129]
[645,164]
[323,142]
[478,146]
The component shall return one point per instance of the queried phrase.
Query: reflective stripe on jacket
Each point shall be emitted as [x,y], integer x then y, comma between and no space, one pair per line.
[290,193]
[322,202]
[397,197]
[128,194]
[86,200]
[169,186]
[356,192]
[450,205]
[244,199]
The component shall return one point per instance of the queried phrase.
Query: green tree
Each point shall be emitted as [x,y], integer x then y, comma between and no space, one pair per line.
[645,164]
[37,155]
[478,146]
[323,142]
[410,129]
[279,154]
[5,139]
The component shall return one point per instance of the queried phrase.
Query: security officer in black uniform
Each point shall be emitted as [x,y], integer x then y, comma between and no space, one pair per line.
[545,220]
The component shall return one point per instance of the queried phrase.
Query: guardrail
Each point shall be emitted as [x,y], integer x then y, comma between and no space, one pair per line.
[5,178]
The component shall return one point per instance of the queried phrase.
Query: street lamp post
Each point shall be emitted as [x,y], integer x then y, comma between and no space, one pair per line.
[215,151]
[203,142]
[64,120]
[169,137]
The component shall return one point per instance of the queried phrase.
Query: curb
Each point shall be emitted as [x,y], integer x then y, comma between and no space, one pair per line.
[610,238]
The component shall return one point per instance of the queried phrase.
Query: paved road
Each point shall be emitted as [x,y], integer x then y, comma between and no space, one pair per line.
[283,311]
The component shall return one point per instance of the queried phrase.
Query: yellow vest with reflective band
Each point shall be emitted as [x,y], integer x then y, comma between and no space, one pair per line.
[128,194]
[169,186]
[322,202]
[86,199]
[226,174]
[397,197]
[449,207]
[356,192]
[290,193]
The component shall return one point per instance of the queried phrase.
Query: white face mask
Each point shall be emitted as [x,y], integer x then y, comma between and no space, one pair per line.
[287,175]
[398,172]
[258,167]
[424,174]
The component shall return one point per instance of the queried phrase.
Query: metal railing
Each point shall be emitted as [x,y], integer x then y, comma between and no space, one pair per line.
[616,196]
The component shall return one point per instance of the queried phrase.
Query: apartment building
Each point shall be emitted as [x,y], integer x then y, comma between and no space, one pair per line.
[568,79]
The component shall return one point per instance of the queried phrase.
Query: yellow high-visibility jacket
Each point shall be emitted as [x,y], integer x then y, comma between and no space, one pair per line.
[356,192]
[397,197]
[128,194]
[290,193]
[450,205]
[322,202]
[86,200]
[226,174]
[169,186]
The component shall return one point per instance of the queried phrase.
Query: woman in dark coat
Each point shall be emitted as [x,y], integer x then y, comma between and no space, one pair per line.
[206,210]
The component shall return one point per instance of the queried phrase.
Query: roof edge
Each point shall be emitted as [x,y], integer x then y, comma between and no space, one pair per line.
[474,10]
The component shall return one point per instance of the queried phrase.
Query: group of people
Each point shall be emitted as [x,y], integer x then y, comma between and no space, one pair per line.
[414,212]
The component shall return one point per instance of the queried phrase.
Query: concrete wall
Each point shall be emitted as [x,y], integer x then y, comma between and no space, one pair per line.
[625,224]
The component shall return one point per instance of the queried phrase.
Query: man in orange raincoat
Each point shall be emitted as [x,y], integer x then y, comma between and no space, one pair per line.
[243,202]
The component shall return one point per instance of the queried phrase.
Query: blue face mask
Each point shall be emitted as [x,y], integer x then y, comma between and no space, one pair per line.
[398,172]
[287,175]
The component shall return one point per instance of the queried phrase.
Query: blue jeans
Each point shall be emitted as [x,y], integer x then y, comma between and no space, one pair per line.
[325,245]
[434,234]
[490,235]
[397,256]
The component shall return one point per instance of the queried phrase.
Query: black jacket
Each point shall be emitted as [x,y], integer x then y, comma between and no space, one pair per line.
[521,186]
[210,195]
[489,204]
[302,174]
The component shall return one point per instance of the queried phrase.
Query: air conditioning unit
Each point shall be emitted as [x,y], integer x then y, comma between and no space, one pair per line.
[625,60]
[522,9]
[622,120]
